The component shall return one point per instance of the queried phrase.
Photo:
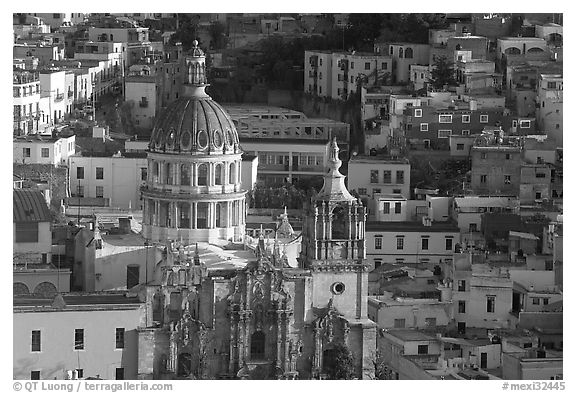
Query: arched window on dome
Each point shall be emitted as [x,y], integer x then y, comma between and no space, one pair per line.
[156,171]
[185,174]
[221,215]
[202,175]
[409,54]
[184,216]
[169,175]
[401,53]
[232,174]
[218,169]
[202,218]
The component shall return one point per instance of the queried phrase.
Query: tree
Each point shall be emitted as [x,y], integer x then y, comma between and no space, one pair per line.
[218,39]
[340,364]
[186,32]
[442,73]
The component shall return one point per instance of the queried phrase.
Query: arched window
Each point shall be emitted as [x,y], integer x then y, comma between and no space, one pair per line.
[45,289]
[175,302]
[339,223]
[258,345]
[202,175]
[19,288]
[202,219]
[218,174]
[156,169]
[232,174]
[169,178]
[185,174]
[184,216]
[401,53]
[221,215]
[409,53]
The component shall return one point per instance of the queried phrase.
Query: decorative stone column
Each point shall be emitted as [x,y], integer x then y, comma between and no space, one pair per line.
[194,217]
[279,314]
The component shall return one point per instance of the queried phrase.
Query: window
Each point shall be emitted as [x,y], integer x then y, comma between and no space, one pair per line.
[465,118]
[461,307]
[36,341]
[400,177]
[430,322]
[545,301]
[423,127]
[26,232]
[99,192]
[473,227]
[524,123]
[424,242]
[119,373]
[507,179]
[459,146]
[397,208]
[80,191]
[45,152]
[399,323]
[376,191]
[423,349]
[377,263]
[79,339]
[387,176]
[378,243]
[551,85]
[99,173]
[400,243]
[80,372]
[80,172]
[540,175]
[367,66]
[449,242]
[143,174]
[443,134]
[119,338]
[384,66]
[352,65]
[374,176]
[34,375]
[549,265]
[482,178]
[362,191]
[507,156]
[465,132]
[386,208]
[490,303]
[483,118]
[461,285]
[483,156]
[417,112]
[536,301]
[26,152]
[396,191]
[445,118]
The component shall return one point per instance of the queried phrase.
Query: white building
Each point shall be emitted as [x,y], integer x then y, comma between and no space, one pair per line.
[32,226]
[43,150]
[26,94]
[391,312]
[337,74]
[549,113]
[117,178]
[371,175]
[410,242]
[53,89]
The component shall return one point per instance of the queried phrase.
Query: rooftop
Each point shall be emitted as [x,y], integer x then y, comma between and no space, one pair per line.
[380,159]
[25,303]
[30,206]
[407,226]
[410,335]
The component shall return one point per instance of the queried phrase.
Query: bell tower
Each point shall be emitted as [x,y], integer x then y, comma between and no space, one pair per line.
[333,244]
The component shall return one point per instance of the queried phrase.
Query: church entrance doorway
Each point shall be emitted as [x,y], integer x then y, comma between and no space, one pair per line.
[184,364]
[257,345]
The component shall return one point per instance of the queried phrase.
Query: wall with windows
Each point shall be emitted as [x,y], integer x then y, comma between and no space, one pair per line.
[141,91]
[393,244]
[116,178]
[33,238]
[34,151]
[44,342]
[402,313]
[370,175]
[496,170]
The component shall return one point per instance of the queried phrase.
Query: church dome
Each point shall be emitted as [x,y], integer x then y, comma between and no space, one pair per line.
[195,124]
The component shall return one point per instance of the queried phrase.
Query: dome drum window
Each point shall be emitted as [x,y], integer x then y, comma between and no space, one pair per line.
[185,140]
[218,141]
[202,140]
